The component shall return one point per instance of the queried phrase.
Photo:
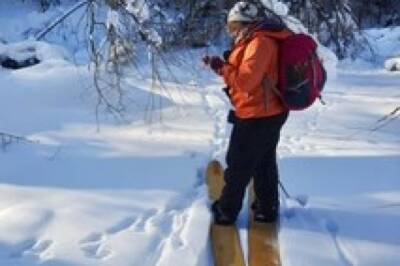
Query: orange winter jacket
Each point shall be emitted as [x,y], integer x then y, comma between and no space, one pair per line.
[252,65]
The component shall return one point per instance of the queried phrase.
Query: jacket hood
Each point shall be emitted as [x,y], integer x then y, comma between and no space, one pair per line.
[268,28]
[270,25]
[271,28]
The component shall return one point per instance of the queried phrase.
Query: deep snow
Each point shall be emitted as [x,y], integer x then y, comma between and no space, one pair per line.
[134,194]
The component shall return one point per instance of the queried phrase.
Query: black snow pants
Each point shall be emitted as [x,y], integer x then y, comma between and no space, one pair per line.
[252,154]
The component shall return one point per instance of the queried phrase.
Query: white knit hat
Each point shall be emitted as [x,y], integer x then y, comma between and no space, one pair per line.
[243,11]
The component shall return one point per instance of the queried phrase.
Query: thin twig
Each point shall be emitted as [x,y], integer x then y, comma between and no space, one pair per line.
[43,33]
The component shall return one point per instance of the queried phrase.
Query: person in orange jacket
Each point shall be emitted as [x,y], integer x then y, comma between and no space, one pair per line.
[251,73]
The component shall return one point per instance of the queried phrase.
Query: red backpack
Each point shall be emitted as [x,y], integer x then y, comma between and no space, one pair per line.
[301,74]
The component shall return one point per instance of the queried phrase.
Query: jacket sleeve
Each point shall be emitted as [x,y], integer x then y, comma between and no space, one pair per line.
[258,60]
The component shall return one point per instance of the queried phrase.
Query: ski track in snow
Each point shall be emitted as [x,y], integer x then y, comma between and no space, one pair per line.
[306,218]
[215,106]
[292,144]
[333,230]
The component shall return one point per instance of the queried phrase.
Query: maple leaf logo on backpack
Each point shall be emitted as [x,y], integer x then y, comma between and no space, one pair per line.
[296,77]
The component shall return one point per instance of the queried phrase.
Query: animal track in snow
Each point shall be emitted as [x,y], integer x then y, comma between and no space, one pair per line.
[122,225]
[141,224]
[171,226]
[32,247]
[95,244]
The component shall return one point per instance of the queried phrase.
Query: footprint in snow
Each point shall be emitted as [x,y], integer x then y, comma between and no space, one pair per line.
[122,225]
[93,237]
[32,247]
[140,225]
[93,246]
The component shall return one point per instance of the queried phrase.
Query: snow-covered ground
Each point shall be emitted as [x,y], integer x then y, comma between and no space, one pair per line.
[134,194]
[349,173]
[393,64]
[124,195]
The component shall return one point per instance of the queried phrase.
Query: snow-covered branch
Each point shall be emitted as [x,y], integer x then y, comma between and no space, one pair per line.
[387,119]
[8,139]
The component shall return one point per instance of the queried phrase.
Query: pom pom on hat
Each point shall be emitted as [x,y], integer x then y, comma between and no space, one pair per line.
[243,11]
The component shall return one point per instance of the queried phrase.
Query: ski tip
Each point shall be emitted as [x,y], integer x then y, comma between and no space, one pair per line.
[214,167]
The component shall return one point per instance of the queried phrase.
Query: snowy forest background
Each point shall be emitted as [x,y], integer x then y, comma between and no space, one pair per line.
[198,23]
[115,34]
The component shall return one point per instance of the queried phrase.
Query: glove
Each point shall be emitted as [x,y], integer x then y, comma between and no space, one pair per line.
[226,55]
[215,62]
[232,118]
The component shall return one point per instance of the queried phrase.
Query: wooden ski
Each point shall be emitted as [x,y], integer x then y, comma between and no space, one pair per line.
[225,240]
[263,240]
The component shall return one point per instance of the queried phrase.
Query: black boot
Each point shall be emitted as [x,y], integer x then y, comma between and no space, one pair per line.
[220,217]
[265,215]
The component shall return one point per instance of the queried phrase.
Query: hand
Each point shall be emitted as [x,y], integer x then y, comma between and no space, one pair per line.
[206,60]
[215,62]
[226,54]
